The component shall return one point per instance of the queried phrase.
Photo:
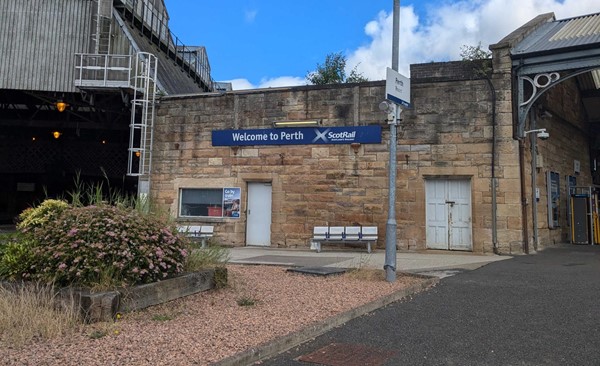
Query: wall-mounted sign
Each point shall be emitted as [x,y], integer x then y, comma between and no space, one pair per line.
[298,136]
[231,201]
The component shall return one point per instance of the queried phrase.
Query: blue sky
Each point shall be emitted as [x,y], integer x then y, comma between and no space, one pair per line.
[268,43]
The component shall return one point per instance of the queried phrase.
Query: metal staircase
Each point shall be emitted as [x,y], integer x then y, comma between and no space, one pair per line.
[102,27]
[154,25]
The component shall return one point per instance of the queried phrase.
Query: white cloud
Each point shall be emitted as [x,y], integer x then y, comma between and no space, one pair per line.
[241,84]
[440,35]
[250,15]
[282,81]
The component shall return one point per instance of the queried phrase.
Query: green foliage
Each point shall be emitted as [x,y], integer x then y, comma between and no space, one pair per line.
[86,194]
[356,77]
[98,333]
[39,216]
[15,255]
[102,244]
[109,243]
[202,258]
[162,317]
[334,72]
[471,53]
[246,301]
[480,58]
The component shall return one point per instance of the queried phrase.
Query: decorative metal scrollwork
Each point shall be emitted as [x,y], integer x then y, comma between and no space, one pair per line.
[539,81]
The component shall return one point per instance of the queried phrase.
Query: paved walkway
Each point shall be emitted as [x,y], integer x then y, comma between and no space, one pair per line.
[540,309]
[435,263]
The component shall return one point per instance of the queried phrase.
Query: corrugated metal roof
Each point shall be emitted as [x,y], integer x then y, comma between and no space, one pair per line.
[38,39]
[578,32]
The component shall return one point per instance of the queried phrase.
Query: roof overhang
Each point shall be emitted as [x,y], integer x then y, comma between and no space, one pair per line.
[552,53]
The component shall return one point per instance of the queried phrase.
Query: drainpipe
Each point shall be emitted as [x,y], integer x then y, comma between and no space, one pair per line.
[515,103]
[494,180]
[523,196]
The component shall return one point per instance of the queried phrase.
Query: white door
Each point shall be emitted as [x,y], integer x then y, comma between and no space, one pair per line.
[258,214]
[448,214]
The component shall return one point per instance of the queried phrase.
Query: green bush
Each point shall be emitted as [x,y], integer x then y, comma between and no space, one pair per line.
[37,217]
[90,245]
[15,255]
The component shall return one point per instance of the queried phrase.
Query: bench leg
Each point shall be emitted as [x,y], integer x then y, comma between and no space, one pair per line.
[203,241]
[318,247]
[369,247]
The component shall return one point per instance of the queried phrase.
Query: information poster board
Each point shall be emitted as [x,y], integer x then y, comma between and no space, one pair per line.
[553,185]
[571,184]
[232,201]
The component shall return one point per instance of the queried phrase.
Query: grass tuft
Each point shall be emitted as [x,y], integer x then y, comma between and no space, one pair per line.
[32,311]
[246,301]
[212,256]
[162,317]
[366,274]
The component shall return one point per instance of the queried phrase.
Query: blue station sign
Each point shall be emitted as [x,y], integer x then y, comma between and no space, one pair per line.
[298,136]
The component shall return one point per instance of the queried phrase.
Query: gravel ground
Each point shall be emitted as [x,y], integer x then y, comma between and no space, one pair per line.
[210,326]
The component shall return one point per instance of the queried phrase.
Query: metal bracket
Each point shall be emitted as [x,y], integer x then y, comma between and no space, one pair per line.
[539,84]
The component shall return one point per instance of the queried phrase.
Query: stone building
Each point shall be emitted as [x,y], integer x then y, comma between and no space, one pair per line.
[75,76]
[466,179]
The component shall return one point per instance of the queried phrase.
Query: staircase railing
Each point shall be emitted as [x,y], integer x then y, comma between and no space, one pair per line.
[154,25]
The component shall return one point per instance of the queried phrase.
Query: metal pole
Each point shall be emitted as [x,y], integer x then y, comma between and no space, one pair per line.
[534,216]
[395,34]
[390,228]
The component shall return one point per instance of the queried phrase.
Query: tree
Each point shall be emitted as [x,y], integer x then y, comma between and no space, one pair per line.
[334,72]
[480,58]
[472,53]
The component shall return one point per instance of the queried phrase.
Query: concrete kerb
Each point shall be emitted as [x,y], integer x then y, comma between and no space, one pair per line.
[291,340]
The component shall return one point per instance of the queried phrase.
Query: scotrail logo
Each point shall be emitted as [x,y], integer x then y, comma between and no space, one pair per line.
[327,136]
[321,136]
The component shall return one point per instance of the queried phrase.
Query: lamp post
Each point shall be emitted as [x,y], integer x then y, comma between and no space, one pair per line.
[393,114]
[542,135]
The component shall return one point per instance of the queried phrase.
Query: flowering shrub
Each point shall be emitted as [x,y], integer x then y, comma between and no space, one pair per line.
[87,245]
[37,217]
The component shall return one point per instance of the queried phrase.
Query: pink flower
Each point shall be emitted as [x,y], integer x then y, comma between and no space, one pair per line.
[62,266]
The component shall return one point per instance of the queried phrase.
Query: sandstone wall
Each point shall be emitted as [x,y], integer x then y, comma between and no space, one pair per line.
[448,134]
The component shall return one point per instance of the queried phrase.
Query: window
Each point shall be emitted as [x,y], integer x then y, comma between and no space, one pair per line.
[211,202]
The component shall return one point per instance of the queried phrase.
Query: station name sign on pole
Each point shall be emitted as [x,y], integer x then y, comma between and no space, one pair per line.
[397,88]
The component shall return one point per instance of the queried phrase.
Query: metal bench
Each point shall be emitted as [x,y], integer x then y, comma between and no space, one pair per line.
[203,232]
[344,234]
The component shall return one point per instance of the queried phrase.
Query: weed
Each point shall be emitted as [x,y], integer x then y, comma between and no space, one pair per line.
[103,329]
[162,317]
[32,311]
[98,333]
[203,258]
[366,274]
[246,301]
